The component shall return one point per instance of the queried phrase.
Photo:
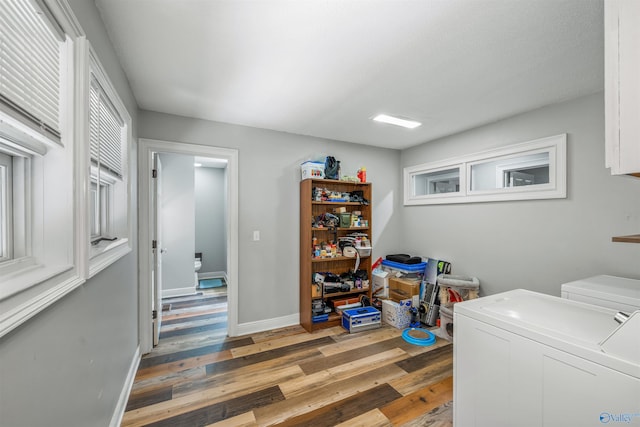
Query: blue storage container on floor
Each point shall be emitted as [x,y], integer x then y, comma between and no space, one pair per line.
[361,319]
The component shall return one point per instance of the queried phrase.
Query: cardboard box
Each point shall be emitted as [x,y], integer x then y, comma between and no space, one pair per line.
[401,288]
[380,284]
[397,314]
[316,291]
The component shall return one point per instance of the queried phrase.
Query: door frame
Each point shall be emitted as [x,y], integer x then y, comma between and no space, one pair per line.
[146,148]
[156,235]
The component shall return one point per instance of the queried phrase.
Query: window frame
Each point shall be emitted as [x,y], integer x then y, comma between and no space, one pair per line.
[555,145]
[103,253]
[49,263]
[435,168]
[6,207]
[100,203]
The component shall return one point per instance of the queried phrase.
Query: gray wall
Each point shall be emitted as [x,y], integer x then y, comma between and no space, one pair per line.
[178,224]
[211,233]
[536,244]
[66,366]
[269,165]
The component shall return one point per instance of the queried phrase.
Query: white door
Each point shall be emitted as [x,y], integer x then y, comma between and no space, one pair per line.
[156,287]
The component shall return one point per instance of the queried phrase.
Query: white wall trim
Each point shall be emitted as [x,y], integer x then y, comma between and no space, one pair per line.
[178,292]
[146,148]
[64,15]
[121,405]
[268,324]
[16,316]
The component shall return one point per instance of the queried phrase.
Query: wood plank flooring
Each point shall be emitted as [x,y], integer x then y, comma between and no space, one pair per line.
[197,376]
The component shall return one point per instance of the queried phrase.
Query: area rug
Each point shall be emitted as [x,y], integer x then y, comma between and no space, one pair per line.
[210,283]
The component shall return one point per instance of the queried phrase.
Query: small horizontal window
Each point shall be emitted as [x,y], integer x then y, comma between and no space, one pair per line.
[530,170]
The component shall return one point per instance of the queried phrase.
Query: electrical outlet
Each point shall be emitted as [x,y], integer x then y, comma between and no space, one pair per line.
[256,235]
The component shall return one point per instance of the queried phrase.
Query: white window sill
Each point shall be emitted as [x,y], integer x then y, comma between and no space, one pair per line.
[106,253]
[27,291]
[24,273]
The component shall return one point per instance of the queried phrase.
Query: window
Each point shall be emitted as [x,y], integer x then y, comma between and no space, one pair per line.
[106,137]
[31,48]
[108,200]
[437,182]
[39,257]
[62,128]
[530,170]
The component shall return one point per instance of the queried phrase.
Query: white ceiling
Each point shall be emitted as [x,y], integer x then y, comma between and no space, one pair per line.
[325,67]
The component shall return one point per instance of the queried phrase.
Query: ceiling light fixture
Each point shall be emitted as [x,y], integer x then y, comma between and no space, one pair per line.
[409,124]
[198,165]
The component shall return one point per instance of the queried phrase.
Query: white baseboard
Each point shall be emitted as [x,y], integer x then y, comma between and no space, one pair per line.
[121,405]
[268,324]
[213,275]
[177,292]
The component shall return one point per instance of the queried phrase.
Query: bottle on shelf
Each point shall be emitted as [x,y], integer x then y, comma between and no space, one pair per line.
[362,174]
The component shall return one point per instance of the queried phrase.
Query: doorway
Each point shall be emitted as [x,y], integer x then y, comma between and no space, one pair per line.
[147,149]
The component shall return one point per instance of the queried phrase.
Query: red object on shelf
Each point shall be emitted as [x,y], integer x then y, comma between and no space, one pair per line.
[362,174]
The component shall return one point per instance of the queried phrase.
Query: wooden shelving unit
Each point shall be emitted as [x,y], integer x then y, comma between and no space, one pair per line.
[309,265]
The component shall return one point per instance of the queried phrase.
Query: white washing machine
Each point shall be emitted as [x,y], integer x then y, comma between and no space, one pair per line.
[619,293]
[527,359]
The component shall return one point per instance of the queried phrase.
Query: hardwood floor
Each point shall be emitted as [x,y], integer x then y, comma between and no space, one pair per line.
[197,376]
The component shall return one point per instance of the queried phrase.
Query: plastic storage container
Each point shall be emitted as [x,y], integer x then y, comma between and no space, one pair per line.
[455,289]
[312,170]
[364,250]
[405,268]
[361,319]
[446,323]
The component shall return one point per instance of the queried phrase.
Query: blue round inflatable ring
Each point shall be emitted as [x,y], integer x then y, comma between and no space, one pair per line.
[418,336]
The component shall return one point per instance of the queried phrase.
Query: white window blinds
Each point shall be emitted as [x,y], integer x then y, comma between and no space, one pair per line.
[106,131]
[30,63]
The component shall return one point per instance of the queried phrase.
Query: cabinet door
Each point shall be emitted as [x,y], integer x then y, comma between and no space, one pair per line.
[579,392]
[495,377]
[622,85]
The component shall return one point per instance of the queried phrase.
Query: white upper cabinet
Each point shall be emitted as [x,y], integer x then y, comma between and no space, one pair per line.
[622,86]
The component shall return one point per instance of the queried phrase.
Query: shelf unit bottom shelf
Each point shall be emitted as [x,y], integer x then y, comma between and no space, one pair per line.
[334,320]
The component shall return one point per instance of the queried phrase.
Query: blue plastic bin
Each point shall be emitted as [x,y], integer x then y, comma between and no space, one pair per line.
[405,268]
